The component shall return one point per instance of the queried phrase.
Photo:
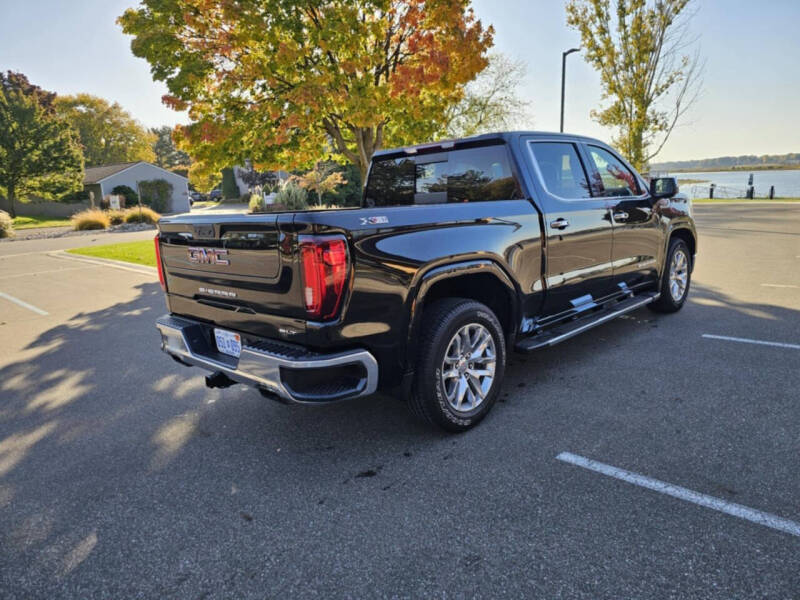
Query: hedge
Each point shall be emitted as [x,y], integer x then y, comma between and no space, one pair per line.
[156,194]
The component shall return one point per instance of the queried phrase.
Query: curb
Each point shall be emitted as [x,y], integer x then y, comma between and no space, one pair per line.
[106,262]
[749,202]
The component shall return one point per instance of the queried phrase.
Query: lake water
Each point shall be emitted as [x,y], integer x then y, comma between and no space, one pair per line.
[731,184]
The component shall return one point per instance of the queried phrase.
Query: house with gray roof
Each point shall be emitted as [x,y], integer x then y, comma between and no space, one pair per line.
[103,179]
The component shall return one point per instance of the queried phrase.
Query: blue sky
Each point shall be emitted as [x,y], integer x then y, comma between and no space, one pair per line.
[749,104]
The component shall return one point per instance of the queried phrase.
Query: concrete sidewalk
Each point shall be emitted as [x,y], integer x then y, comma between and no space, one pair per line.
[223,207]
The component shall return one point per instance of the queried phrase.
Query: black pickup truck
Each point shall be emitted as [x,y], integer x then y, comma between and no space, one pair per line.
[460,252]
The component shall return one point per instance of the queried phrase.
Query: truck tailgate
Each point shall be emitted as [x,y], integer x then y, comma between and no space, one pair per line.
[235,270]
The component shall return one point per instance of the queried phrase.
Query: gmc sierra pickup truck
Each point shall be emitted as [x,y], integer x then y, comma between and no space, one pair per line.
[461,251]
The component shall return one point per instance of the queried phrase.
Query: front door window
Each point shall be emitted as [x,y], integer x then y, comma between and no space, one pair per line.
[615,178]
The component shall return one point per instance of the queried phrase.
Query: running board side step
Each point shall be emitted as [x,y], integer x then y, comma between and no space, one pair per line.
[559,333]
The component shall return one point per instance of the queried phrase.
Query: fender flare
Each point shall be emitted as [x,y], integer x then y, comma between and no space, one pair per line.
[416,300]
[683,225]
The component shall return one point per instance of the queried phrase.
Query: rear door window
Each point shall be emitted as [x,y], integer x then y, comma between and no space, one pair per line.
[561,170]
[616,179]
[468,175]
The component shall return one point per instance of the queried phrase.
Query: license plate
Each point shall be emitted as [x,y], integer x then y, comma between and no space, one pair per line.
[228,342]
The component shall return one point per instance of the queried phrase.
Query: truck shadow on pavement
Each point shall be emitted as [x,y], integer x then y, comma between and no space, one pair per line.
[109,450]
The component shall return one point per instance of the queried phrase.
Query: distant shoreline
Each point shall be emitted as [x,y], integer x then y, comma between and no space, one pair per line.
[742,168]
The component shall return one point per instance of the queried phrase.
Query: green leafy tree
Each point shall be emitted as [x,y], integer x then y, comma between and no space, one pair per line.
[492,101]
[39,153]
[167,154]
[108,134]
[279,82]
[638,47]
[230,189]
[204,178]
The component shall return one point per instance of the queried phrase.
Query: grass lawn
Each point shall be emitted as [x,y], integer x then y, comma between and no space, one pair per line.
[39,221]
[743,200]
[141,253]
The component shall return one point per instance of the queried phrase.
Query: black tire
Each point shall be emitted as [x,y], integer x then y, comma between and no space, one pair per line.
[441,322]
[667,302]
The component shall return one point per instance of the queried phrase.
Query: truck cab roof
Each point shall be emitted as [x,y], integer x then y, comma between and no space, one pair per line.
[478,140]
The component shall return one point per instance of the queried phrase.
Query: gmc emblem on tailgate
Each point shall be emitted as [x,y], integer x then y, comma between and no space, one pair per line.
[208,256]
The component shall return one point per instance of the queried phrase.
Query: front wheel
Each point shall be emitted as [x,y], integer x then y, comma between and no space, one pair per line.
[675,279]
[460,365]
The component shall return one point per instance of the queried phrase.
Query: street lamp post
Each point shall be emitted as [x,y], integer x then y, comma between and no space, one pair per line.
[563,73]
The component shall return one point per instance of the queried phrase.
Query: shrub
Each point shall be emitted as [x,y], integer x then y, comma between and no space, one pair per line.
[230,189]
[156,194]
[76,197]
[292,196]
[148,215]
[257,203]
[6,225]
[116,217]
[348,194]
[90,219]
[128,192]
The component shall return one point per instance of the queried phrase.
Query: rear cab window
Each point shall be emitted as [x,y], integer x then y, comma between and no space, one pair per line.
[476,174]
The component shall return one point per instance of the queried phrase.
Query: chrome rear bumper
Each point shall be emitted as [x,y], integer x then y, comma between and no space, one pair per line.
[272,366]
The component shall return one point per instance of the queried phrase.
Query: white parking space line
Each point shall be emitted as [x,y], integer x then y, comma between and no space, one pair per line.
[48,271]
[103,262]
[682,493]
[778,285]
[24,304]
[2,256]
[749,341]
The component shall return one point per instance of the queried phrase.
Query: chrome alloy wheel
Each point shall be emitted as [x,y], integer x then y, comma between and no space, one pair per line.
[468,367]
[678,275]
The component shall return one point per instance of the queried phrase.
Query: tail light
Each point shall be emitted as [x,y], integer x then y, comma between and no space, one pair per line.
[159,265]
[324,262]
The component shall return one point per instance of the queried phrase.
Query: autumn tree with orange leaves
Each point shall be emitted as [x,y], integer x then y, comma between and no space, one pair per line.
[321,179]
[283,82]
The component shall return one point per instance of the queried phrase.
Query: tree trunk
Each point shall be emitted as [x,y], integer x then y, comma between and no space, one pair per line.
[367,142]
[363,168]
[12,194]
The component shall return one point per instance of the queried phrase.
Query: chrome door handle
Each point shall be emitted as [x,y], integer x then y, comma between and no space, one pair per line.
[620,216]
[559,224]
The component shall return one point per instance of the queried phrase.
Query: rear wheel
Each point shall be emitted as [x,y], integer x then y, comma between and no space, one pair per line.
[460,365]
[676,278]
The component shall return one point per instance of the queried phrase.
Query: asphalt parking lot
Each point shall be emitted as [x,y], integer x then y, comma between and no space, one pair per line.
[122,476]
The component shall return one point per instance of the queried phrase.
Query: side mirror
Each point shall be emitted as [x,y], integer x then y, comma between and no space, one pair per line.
[663,187]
